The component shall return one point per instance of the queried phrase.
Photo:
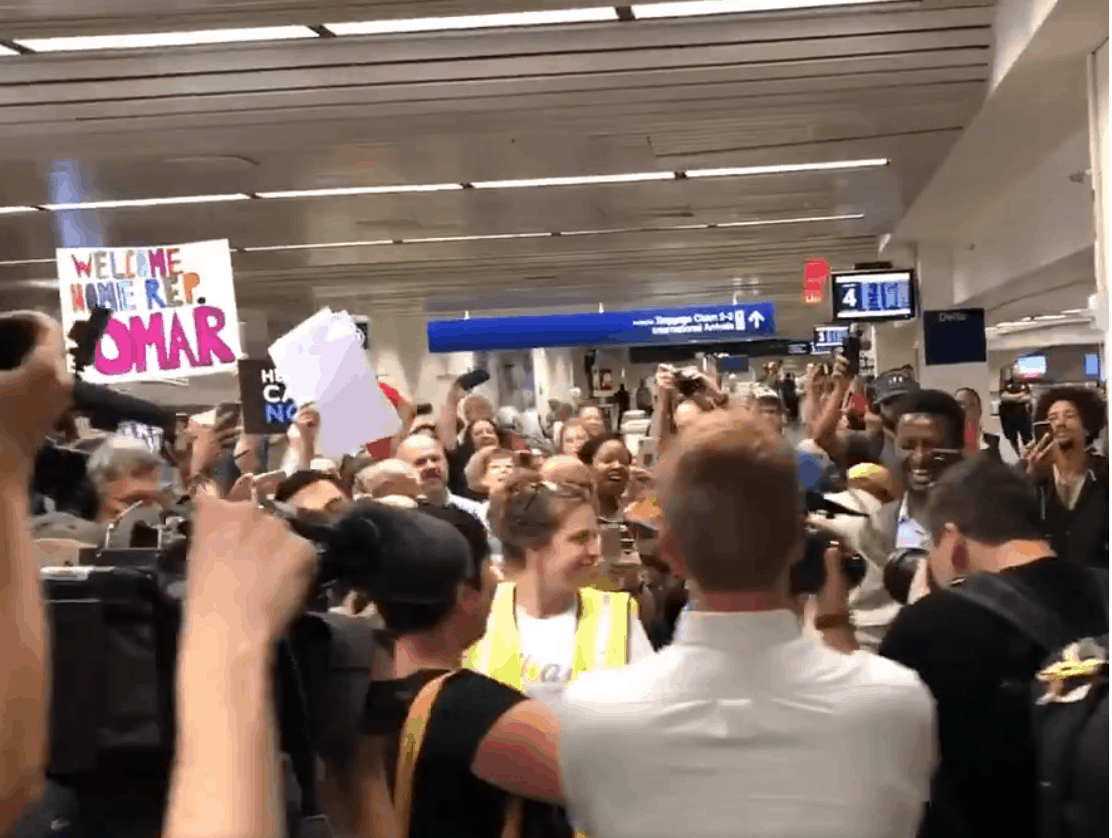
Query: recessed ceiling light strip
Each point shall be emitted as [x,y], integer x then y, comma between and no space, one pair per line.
[554,17]
[363,190]
[504,236]
[155,40]
[788,168]
[374,243]
[531,183]
[703,8]
[588,180]
[149,202]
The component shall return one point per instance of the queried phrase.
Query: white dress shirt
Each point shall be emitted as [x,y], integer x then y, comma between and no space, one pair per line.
[744,727]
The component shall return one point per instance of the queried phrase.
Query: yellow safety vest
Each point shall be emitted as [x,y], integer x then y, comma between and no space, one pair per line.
[601,636]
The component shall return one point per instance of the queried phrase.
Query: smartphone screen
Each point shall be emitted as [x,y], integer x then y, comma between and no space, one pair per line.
[1040,429]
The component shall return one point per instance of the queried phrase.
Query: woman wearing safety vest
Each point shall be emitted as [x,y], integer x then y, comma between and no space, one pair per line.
[545,628]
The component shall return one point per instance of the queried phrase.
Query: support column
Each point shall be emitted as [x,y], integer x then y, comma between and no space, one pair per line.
[554,375]
[1098,169]
[935,269]
[895,345]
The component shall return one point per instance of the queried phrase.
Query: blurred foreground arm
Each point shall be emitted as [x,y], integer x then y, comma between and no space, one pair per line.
[32,397]
[249,576]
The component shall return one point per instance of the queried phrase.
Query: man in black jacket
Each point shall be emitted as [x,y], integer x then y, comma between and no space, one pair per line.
[1072,481]
[984,518]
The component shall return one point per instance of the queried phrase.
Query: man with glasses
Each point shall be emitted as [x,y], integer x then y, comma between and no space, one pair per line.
[930,427]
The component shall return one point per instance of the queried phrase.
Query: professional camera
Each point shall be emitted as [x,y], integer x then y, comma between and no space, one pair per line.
[900,570]
[114,622]
[688,383]
[808,575]
[59,470]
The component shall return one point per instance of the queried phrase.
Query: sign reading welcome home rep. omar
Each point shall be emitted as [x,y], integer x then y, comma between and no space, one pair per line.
[173,308]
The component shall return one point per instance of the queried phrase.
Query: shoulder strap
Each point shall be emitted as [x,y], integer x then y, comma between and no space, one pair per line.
[413,736]
[1008,601]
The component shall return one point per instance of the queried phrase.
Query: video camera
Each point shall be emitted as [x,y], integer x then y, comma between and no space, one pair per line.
[688,383]
[808,575]
[115,620]
[60,471]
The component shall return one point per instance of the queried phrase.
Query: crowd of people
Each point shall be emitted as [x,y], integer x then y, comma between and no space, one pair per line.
[578,641]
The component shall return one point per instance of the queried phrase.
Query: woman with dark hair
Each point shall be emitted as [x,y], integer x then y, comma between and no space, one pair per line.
[1071,479]
[610,460]
[479,435]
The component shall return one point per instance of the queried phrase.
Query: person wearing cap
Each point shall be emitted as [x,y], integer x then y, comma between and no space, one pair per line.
[547,627]
[456,747]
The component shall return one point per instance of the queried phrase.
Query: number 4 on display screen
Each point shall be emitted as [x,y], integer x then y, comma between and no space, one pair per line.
[849,299]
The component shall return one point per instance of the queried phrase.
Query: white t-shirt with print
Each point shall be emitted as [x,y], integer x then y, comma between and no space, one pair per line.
[548,653]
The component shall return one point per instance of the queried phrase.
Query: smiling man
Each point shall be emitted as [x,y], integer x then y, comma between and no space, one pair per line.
[929,427]
[427,458]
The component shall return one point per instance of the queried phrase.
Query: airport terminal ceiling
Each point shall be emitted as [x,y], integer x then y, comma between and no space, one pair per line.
[727,150]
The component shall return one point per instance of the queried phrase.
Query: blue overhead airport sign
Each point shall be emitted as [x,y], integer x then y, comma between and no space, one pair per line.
[696,324]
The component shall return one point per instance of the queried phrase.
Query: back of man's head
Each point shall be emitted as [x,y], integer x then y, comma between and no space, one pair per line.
[731,501]
[986,502]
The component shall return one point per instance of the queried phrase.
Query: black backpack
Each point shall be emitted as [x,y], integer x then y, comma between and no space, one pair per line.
[1069,706]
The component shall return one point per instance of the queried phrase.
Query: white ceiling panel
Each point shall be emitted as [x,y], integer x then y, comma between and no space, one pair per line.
[896,81]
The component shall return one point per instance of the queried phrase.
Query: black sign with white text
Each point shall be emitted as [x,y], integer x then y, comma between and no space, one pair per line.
[266,410]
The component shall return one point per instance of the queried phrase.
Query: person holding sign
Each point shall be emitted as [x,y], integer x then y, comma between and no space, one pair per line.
[173,309]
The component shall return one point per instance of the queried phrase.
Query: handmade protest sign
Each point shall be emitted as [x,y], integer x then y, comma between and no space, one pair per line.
[267,409]
[173,308]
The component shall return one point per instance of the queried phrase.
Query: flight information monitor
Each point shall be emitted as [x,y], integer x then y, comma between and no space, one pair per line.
[829,338]
[873,295]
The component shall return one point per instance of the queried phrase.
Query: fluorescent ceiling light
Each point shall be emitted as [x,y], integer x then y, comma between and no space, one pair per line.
[27,262]
[492,237]
[8,50]
[702,8]
[152,40]
[362,190]
[13,210]
[637,177]
[497,21]
[314,246]
[788,168]
[808,219]
[500,236]
[149,202]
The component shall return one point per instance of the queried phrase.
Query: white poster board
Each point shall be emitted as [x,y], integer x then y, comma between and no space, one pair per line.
[173,309]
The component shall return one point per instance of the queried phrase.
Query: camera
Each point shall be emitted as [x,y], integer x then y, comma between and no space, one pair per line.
[688,383]
[900,570]
[808,575]
[114,621]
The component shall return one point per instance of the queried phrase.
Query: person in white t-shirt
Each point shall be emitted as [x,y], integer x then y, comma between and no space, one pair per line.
[546,628]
